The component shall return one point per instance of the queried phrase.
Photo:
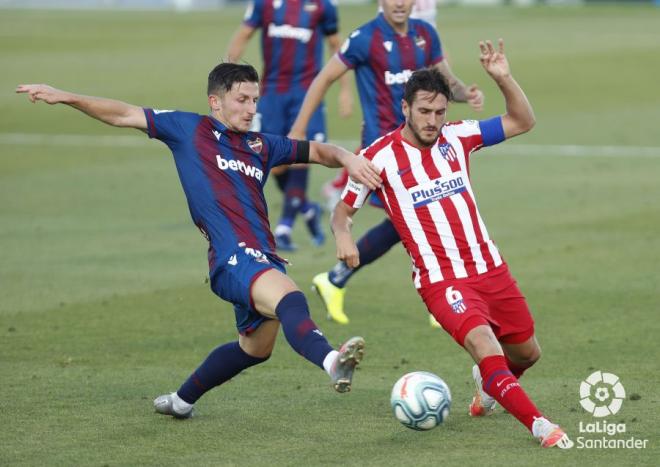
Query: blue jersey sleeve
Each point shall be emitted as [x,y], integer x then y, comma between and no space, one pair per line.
[254,14]
[355,49]
[165,125]
[330,19]
[492,131]
[435,53]
[280,150]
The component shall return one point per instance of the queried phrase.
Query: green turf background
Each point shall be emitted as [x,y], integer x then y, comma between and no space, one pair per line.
[102,275]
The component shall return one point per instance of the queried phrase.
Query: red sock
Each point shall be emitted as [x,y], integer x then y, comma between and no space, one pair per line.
[515,368]
[500,383]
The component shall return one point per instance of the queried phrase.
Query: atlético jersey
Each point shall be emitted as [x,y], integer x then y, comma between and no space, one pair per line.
[428,196]
[383,61]
[292,33]
[223,174]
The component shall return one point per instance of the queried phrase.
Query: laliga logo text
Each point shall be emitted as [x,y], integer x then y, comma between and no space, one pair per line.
[602,394]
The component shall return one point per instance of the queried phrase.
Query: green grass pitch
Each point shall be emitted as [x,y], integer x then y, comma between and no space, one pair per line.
[102,275]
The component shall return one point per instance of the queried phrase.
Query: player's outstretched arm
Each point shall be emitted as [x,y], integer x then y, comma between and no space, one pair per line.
[345,102]
[359,168]
[112,112]
[238,42]
[315,94]
[472,95]
[340,224]
[519,117]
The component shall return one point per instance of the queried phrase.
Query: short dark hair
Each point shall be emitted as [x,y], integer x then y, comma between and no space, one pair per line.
[426,79]
[224,75]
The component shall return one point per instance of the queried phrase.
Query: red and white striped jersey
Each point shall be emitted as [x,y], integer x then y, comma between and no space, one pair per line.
[428,196]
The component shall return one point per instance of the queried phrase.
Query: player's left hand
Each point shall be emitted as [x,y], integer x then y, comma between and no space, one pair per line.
[494,61]
[364,171]
[475,98]
[347,250]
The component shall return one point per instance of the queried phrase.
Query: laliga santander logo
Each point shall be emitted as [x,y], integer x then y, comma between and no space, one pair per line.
[602,394]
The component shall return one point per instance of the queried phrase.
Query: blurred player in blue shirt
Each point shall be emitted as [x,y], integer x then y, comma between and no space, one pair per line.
[223,167]
[383,53]
[292,34]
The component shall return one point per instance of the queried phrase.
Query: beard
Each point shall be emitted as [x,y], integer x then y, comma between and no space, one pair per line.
[425,141]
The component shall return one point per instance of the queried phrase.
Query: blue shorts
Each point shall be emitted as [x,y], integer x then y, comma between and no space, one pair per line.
[277,112]
[233,282]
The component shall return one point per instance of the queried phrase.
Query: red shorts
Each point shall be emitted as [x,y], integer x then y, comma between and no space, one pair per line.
[492,298]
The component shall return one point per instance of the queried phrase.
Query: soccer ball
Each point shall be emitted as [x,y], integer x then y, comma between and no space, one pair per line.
[421,400]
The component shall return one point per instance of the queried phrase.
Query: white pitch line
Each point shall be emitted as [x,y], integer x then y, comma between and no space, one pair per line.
[136,141]
[42,139]
[517,149]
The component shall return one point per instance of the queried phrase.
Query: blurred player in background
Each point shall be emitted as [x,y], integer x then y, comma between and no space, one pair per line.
[383,52]
[457,269]
[223,168]
[292,34]
[425,10]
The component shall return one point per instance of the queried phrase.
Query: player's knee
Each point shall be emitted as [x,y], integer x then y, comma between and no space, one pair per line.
[532,356]
[527,356]
[261,351]
[481,342]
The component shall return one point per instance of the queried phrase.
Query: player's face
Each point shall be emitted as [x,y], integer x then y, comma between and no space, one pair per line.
[237,107]
[397,12]
[425,117]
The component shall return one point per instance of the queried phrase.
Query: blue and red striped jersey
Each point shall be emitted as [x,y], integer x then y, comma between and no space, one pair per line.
[223,174]
[292,33]
[383,61]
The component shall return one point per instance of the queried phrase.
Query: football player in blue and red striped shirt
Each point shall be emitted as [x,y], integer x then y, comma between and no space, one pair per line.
[223,167]
[292,34]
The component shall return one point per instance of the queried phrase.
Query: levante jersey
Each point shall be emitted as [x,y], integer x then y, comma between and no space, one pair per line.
[428,197]
[223,174]
[383,61]
[291,40]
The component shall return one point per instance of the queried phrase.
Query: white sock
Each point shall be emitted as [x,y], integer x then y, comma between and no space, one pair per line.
[282,229]
[179,405]
[329,360]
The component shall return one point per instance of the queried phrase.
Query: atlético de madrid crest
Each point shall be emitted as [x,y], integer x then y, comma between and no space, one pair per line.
[447,151]
[255,144]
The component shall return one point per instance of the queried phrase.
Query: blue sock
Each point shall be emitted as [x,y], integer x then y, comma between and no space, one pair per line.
[371,246]
[225,362]
[295,195]
[299,329]
[281,179]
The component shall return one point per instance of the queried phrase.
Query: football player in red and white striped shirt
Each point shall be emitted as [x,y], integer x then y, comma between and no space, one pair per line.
[457,268]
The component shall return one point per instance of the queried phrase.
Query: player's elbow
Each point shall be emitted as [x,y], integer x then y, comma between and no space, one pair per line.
[529,123]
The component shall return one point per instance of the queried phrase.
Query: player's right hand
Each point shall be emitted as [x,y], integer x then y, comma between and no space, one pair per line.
[41,92]
[475,98]
[295,134]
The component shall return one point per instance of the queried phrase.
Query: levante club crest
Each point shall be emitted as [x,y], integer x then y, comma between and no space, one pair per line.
[255,144]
